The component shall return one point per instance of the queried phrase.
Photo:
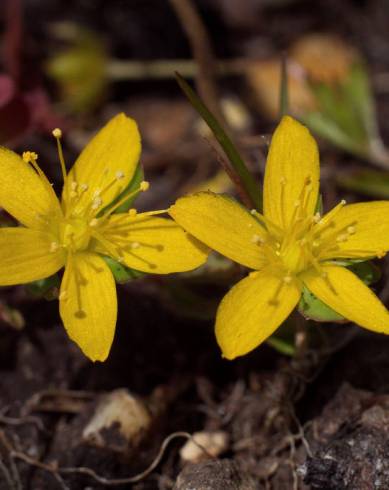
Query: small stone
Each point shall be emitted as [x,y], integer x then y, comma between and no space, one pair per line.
[119,422]
[213,443]
[221,474]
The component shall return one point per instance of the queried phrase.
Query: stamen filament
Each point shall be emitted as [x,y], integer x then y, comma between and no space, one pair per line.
[57,133]
[142,188]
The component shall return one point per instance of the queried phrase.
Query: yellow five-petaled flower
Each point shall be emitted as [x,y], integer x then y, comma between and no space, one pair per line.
[289,246]
[82,228]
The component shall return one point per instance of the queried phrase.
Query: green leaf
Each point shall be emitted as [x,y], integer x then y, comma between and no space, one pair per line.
[251,187]
[346,115]
[358,92]
[370,182]
[329,129]
[121,273]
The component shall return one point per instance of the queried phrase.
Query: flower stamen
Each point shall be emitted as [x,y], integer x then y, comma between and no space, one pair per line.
[57,133]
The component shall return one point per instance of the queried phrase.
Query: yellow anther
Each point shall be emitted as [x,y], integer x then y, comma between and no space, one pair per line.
[144,186]
[84,187]
[381,254]
[73,185]
[54,246]
[282,180]
[343,202]
[30,156]
[315,243]
[287,279]
[119,175]
[73,194]
[135,245]
[132,212]
[316,218]
[97,202]
[257,239]
[57,133]
[96,193]
[278,253]
[351,230]
[341,238]
[297,203]
[93,222]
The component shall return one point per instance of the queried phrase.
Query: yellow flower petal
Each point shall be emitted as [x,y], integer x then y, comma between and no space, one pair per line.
[88,304]
[25,256]
[252,311]
[110,157]
[23,194]
[345,293]
[149,244]
[362,230]
[222,224]
[293,160]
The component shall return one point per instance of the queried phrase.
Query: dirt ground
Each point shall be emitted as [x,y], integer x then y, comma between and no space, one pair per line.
[320,421]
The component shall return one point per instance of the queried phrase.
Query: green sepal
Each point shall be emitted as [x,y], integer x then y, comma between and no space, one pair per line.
[120,272]
[45,288]
[313,308]
[251,186]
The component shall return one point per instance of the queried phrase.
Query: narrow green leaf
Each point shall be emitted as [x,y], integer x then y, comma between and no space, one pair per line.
[252,188]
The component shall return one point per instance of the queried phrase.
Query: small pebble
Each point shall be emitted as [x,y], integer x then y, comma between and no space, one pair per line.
[213,443]
[121,413]
[223,474]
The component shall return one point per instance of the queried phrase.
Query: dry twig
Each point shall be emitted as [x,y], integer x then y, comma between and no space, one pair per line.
[57,471]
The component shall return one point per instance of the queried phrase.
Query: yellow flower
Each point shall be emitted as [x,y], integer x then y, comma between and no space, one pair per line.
[289,246]
[76,232]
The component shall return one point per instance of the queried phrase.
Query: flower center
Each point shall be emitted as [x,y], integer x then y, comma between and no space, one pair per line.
[306,243]
[74,234]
